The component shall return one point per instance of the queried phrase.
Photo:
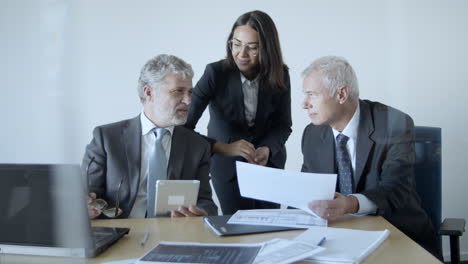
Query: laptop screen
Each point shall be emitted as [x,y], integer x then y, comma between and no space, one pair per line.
[43,205]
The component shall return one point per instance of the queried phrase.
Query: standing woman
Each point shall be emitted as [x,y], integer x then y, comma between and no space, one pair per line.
[249,98]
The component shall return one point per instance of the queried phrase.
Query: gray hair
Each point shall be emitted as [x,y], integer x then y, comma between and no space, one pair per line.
[156,69]
[335,73]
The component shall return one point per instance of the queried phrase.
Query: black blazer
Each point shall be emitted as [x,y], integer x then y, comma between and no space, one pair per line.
[384,166]
[220,87]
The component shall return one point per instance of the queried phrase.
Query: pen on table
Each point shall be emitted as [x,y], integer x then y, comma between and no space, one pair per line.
[145,238]
[322,241]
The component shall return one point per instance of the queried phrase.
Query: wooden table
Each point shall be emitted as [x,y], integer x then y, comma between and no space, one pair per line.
[398,248]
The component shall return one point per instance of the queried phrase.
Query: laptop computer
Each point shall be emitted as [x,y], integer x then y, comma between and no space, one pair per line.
[43,211]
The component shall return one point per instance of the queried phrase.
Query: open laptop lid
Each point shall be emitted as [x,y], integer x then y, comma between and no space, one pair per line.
[43,211]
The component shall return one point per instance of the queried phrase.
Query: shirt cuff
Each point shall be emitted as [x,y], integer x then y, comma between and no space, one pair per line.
[366,206]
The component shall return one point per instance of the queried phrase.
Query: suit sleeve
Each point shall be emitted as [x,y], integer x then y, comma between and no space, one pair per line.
[304,165]
[396,179]
[202,94]
[205,200]
[280,130]
[93,166]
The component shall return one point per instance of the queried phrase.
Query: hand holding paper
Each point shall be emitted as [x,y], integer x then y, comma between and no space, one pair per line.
[334,209]
[292,188]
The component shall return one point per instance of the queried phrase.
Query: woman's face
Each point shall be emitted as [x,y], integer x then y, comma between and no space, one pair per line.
[245,49]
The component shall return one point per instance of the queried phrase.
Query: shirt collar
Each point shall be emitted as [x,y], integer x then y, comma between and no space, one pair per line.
[351,129]
[244,79]
[147,126]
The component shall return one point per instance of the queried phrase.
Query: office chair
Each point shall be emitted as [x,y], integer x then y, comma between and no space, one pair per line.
[428,173]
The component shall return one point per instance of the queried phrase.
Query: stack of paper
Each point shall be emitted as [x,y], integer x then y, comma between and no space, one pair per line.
[343,245]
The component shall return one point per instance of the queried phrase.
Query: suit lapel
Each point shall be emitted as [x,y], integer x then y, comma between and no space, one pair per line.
[264,93]
[364,142]
[131,139]
[176,158]
[327,156]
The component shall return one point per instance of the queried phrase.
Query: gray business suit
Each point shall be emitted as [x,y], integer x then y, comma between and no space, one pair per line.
[116,149]
[384,166]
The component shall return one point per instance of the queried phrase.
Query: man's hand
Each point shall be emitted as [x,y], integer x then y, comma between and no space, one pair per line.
[93,211]
[241,148]
[261,155]
[334,209]
[190,211]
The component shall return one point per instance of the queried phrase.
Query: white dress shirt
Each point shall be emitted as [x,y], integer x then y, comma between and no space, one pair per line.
[148,141]
[250,91]
[366,206]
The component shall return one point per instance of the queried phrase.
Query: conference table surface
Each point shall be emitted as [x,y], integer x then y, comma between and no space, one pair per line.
[397,248]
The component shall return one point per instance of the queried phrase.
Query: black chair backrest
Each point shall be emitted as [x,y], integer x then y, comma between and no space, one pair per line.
[428,171]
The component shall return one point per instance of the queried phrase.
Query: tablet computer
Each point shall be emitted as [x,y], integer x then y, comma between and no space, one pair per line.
[170,194]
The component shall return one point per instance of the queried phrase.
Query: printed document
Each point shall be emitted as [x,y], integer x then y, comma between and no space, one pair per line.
[277,217]
[282,251]
[181,252]
[291,188]
[343,245]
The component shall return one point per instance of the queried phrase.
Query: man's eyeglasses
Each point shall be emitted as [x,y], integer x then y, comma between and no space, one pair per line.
[250,48]
[102,205]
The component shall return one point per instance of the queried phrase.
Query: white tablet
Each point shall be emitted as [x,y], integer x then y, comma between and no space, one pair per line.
[170,194]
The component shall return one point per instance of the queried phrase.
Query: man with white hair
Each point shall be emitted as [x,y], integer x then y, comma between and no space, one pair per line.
[368,144]
[125,158]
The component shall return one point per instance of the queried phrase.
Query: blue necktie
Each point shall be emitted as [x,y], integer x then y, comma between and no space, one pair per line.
[345,170]
[157,170]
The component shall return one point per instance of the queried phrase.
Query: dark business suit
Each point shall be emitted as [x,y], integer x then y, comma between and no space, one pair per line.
[220,87]
[116,148]
[384,166]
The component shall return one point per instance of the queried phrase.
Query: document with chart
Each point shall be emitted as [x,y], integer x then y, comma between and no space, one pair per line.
[181,252]
[277,217]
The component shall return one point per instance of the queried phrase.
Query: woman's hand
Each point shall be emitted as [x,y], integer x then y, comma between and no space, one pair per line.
[261,155]
[241,148]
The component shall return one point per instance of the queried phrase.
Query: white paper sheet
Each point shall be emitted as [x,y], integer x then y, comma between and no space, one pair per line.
[277,217]
[292,188]
[343,245]
[282,251]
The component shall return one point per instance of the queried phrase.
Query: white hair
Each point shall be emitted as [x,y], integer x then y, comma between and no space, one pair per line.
[156,69]
[335,72]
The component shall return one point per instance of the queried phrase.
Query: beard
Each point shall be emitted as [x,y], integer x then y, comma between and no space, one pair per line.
[178,121]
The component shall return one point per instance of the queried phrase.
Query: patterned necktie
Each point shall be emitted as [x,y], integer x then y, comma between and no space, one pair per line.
[345,170]
[157,170]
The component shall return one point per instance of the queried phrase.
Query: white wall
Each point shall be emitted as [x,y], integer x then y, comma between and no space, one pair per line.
[67,66]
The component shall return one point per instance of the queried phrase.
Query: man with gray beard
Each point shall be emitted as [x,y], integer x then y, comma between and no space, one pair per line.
[120,157]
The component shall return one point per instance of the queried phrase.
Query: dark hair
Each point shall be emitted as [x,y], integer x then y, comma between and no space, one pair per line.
[271,66]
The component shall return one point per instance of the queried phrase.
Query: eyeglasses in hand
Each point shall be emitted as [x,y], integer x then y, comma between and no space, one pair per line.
[102,205]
